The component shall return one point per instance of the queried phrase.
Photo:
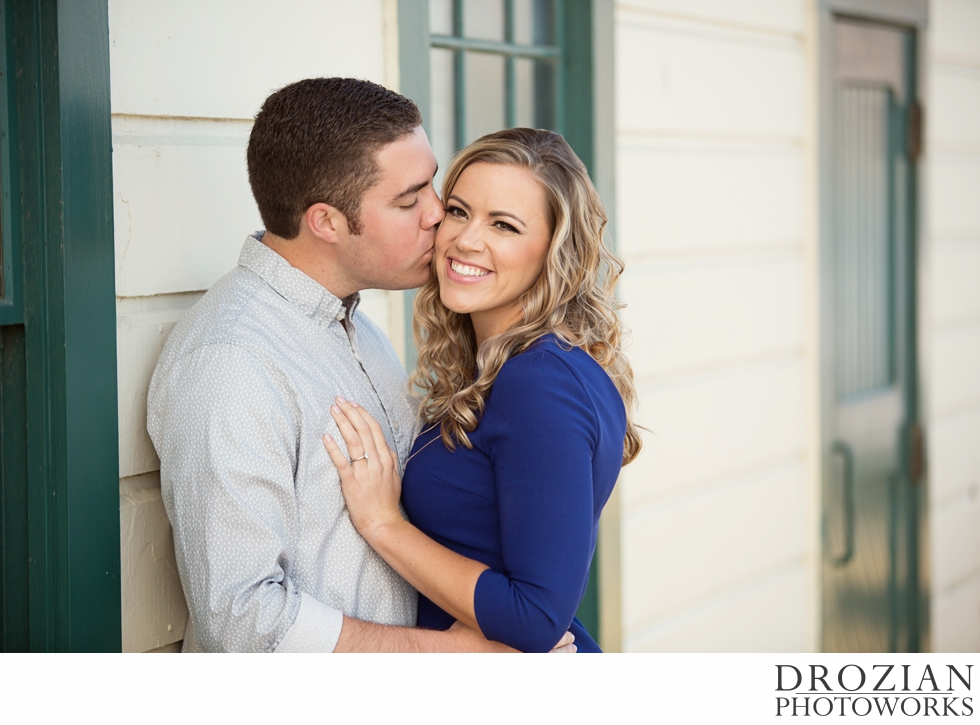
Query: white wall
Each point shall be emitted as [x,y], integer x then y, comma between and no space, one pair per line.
[712,198]
[187,78]
[951,322]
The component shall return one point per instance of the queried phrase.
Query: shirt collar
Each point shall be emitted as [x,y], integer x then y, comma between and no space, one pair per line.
[315,300]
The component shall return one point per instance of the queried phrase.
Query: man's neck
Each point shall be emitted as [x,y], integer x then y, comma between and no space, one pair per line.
[311,256]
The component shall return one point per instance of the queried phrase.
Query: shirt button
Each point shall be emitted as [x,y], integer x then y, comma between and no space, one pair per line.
[340,316]
[395,426]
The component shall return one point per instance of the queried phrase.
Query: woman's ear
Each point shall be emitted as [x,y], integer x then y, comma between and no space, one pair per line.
[326,222]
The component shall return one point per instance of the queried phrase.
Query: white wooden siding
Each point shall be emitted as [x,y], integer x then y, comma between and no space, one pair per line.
[187,78]
[684,195]
[711,190]
[757,615]
[951,334]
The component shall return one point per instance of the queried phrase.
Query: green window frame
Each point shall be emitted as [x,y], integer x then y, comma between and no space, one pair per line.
[547,54]
[582,112]
[59,438]
[11,311]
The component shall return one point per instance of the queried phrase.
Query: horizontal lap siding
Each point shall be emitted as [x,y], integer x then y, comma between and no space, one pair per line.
[712,425]
[182,202]
[685,195]
[722,309]
[778,16]
[711,188]
[673,565]
[761,615]
[187,78]
[951,340]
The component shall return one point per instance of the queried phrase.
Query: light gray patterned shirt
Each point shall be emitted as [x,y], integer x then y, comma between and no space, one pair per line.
[239,400]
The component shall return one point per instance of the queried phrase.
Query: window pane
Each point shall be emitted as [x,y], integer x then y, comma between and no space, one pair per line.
[484,94]
[442,111]
[441,17]
[533,22]
[535,93]
[483,19]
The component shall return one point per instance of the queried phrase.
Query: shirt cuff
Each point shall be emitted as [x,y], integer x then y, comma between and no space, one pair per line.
[316,629]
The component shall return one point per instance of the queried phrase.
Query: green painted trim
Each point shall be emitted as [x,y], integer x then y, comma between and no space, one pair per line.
[90,326]
[496,46]
[577,124]
[63,144]
[11,303]
[459,76]
[413,72]
[577,101]
[568,58]
[413,53]
[510,69]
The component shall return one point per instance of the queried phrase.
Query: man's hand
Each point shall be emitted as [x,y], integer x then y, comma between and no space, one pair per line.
[566,645]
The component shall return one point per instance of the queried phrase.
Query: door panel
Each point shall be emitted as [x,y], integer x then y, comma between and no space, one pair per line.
[866,501]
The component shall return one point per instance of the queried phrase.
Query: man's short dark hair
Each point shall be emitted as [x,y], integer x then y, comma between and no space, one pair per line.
[315,141]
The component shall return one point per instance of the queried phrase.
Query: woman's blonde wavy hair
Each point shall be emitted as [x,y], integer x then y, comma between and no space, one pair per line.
[573,298]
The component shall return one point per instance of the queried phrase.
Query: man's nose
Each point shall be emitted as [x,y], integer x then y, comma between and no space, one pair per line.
[434,211]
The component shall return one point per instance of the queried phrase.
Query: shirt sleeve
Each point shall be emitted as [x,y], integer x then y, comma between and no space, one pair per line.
[226,435]
[541,439]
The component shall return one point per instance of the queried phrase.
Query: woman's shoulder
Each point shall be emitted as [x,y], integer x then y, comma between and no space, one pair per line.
[551,364]
[551,382]
[548,356]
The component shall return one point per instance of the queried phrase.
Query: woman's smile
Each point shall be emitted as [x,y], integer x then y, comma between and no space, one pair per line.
[459,271]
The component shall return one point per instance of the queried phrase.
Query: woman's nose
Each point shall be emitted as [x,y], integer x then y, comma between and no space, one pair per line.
[470,238]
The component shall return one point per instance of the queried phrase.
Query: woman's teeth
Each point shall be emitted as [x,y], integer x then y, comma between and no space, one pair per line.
[467,271]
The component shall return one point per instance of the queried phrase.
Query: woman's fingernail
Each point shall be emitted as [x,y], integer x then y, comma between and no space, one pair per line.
[335,410]
[341,399]
[353,404]
[328,438]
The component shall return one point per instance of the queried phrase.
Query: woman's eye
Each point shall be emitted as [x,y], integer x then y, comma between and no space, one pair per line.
[456,212]
[504,227]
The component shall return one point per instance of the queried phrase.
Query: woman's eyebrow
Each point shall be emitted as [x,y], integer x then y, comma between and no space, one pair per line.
[466,206]
[508,214]
[462,203]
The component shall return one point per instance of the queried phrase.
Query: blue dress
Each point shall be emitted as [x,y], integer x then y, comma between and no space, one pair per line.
[526,499]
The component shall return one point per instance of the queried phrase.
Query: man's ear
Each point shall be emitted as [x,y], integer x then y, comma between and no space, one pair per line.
[326,222]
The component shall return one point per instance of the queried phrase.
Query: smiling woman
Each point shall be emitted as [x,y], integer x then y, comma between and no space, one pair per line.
[504,491]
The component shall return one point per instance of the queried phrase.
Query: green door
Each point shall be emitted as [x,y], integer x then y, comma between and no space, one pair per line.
[870,531]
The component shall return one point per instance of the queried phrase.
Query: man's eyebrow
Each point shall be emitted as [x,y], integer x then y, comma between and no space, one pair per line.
[414,189]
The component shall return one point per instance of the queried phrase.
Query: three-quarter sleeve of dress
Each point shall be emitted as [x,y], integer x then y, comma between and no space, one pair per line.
[541,440]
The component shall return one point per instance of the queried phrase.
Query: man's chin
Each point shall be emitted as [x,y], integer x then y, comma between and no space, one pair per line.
[407,284]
